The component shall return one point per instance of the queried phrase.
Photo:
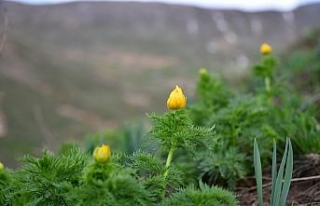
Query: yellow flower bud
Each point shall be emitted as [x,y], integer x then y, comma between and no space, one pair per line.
[176,100]
[102,154]
[1,166]
[203,71]
[265,49]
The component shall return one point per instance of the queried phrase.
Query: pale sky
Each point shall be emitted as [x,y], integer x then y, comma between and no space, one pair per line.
[249,5]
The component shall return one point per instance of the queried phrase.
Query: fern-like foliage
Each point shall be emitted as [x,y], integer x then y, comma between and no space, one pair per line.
[109,184]
[146,164]
[211,95]
[5,181]
[224,165]
[243,120]
[205,196]
[151,169]
[266,68]
[45,180]
[176,129]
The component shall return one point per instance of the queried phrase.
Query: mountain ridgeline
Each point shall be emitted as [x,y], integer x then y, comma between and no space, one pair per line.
[209,30]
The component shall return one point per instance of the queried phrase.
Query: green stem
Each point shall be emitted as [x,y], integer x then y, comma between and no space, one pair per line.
[267,83]
[169,159]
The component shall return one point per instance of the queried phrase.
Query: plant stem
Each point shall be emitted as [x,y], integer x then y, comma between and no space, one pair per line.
[169,159]
[267,83]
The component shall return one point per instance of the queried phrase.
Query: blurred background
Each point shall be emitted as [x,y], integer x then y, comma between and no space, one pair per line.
[71,68]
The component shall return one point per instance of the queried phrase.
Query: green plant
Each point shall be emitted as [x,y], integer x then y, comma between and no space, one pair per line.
[175,130]
[266,68]
[45,180]
[272,111]
[205,195]
[192,149]
[211,95]
[72,177]
[238,120]
[225,166]
[280,180]
[5,180]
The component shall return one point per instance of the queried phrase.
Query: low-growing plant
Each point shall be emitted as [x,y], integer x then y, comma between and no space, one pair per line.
[187,153]
[205,195]
[72,177]
[211,95]
[5,180]
[238,121]
[271,111]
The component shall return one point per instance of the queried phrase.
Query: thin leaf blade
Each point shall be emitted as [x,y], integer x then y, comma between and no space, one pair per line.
[258,171]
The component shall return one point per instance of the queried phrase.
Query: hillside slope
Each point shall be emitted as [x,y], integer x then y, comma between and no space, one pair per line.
[69,69]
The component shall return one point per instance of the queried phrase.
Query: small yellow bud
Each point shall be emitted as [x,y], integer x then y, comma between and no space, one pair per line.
[1,166]
[176,100]
[203,71]
[102,154]
[265,49]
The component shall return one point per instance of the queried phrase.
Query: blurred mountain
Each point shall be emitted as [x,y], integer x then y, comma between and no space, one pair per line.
[69,69]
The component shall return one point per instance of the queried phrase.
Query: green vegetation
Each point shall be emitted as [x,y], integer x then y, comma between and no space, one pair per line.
[195,154]
[72,177]
[67,80]
[64,74]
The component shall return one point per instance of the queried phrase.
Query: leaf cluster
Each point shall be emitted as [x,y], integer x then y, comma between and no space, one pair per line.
[71,177]
[209,196]
[265,68]
[239,119]
[176,129]
[45,180]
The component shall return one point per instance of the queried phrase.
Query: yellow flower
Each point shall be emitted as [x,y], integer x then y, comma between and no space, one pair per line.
[102,154]
[1,166]
[203,71]
[176,100]
[265,49]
